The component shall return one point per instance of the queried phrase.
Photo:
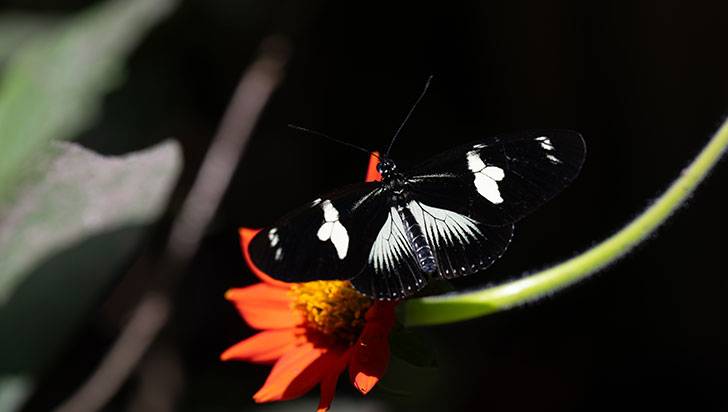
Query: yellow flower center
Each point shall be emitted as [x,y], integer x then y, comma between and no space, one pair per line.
[333,308]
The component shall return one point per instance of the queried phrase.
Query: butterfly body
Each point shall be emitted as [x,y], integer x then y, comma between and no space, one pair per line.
[452,216]
[417,240]
[394,186]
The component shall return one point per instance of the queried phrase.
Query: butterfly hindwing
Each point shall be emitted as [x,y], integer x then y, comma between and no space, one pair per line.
[324,240]
[392,271]
[461,246]
[501,179]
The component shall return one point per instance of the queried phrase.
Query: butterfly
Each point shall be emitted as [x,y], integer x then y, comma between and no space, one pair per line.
[449,217]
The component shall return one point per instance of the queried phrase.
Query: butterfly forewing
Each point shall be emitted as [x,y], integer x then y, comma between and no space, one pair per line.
[326,239]
[501,179]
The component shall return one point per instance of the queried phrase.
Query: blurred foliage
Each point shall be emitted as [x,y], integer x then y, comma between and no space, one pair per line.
[67,236]
[16,28]
[51,87]
[69,218]
[79,194]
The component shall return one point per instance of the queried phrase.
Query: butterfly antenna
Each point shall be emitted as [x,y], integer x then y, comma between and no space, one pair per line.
[303,129]
[424,91]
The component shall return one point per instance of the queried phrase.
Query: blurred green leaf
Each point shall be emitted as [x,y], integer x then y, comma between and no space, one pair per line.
[18,28]
[79,194]
[64,238]
[51,87]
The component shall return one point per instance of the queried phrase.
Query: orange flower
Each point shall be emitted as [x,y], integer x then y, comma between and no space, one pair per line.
[311,332]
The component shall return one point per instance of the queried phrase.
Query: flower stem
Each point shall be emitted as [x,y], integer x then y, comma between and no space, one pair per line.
[462,306]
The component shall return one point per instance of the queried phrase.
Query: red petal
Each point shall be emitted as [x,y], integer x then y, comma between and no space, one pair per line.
[370,354]
[246,235]
[328,385]
[264,306]
[296,373]
[373,174]
[265,347]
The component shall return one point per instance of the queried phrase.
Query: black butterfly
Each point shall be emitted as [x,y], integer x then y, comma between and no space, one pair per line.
[451,216]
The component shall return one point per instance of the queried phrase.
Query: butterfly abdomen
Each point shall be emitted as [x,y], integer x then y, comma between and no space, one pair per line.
[417,241]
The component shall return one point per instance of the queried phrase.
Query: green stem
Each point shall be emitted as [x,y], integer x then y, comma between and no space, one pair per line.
[462,306]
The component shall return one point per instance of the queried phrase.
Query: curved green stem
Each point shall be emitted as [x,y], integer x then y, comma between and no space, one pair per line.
[462,306]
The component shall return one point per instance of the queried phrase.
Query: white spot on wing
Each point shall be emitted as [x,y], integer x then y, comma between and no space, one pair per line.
[333,230]
[553,158]
[340,239]
[545,143]
[486,177]
[330,212]
[324,232]
[273,237]
[494,172]
[279,254]
[475,163]
[488,188]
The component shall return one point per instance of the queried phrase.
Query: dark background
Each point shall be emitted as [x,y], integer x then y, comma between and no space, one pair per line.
[645,82]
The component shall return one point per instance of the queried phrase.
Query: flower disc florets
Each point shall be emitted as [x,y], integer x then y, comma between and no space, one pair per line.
[333,308]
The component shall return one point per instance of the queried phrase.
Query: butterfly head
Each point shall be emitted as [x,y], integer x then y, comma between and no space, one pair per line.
[386,167]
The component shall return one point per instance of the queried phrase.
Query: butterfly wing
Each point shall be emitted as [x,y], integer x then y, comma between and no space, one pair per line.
[460,244]
[466,200]
[326,239]
[501,179]
[392,272]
